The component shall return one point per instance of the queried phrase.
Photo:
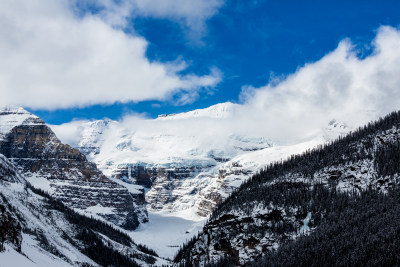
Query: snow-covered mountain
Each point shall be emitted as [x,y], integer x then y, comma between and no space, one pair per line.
[186,162]
[11,116]
[222,110]
[64,172]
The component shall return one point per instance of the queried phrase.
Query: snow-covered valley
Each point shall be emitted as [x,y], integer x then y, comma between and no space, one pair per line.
[166,232]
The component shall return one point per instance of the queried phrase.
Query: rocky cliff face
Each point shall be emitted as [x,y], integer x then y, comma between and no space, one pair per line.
[171,189]
[65,172]
[200,187]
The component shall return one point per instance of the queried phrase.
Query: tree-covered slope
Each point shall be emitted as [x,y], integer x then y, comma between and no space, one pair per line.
[305,198]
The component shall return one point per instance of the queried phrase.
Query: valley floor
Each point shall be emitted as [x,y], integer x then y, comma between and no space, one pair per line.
[166,232]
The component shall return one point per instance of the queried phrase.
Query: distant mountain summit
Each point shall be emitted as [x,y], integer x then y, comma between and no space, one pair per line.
[12,116]
[92,136]
[221,110]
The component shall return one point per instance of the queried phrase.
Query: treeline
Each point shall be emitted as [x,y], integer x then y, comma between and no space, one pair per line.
[101,253]
[94,247]
[355,146]
[10,228]
[82,220]
[387,159]
[364,232]
[282,222]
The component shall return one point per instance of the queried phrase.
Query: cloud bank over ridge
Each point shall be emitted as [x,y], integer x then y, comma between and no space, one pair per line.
[52,58]
[339,86]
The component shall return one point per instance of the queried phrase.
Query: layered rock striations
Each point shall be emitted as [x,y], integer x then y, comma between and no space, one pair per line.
[65,172]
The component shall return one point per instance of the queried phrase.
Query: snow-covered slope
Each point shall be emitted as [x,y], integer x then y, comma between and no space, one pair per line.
[39,231]
[33,214]
[92,136]
[183,159]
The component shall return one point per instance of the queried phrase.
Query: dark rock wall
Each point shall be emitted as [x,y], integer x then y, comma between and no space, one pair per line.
[77,182]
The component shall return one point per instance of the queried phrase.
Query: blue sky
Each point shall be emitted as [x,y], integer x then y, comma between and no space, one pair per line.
[249,42]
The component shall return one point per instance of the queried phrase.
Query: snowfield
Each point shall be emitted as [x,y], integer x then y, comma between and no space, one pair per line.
[166,232]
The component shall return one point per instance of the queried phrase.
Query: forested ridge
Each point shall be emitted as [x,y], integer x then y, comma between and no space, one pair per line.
[261,221]
[364,232]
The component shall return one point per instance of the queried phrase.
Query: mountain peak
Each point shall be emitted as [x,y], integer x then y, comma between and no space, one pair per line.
[10,109]
[12,116]
[221,110]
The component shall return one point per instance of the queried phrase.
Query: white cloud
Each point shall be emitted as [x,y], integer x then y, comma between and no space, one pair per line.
[191,14]
[51,59]
[339,86]
[290,110]
[70,131]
